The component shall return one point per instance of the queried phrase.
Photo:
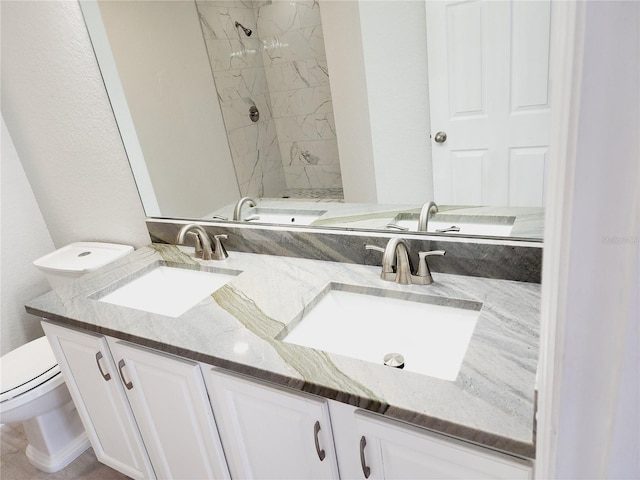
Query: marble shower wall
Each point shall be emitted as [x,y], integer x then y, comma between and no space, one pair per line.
[298,81]
[238,70]
[282,68]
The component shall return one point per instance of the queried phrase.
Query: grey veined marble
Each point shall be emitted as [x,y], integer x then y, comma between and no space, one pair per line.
[490,258]
[491,402]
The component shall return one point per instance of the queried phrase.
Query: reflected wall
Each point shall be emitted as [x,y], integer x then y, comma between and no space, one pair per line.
[163,95]
[280,68]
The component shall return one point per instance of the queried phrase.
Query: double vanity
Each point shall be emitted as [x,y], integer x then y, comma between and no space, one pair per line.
[269,366]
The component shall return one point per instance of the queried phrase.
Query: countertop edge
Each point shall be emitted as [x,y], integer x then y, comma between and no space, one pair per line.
[450,429]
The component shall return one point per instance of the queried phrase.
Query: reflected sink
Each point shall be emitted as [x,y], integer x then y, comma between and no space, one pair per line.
[432,333]
[288,216]
[483,225]
[168,290]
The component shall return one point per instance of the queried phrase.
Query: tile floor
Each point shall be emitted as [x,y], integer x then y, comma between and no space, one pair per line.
[15,466]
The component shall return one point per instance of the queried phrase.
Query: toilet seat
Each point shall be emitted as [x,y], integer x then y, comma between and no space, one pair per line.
[27,368]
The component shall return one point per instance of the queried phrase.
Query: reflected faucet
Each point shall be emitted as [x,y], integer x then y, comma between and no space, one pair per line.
[237,212]
[424,215]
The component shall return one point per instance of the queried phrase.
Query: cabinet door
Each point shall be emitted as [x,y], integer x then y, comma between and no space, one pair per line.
[170,404]
[393,450]
[93,383]
[269,432]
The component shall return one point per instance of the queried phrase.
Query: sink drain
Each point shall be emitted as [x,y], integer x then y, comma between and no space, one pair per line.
[394,360]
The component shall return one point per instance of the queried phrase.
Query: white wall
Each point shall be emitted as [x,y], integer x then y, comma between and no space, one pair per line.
[394,37]
[590,408]
[377,58]
[58,115]
[24,237]
[55,106]
[345,61]
[165,73]
[598,432]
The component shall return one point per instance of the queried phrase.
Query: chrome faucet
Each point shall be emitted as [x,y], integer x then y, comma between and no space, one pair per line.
[202,240]
[425,211]
[396,263]
[203,246]
[237,212]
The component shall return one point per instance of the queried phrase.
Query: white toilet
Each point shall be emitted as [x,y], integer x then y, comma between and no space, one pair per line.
[32,390]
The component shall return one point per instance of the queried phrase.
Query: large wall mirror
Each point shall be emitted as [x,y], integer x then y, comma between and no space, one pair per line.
[347,114]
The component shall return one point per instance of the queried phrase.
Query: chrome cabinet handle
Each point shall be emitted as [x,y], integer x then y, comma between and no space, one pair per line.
[363,463]
[440,137]
[106,376]
[129,385]
[316,429]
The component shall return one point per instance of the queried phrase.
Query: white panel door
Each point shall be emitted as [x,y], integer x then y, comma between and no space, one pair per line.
[92,379]
[170,403]
[392,450]
[271,433]
[488,88]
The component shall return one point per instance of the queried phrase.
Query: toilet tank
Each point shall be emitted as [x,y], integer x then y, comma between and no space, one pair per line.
[76,259]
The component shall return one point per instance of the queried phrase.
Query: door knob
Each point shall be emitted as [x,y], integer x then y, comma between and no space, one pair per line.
[440,137]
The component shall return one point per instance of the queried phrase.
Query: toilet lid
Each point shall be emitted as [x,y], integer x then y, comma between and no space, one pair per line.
[26,367]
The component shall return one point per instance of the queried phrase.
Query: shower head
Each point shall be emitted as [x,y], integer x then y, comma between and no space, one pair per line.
[247,31]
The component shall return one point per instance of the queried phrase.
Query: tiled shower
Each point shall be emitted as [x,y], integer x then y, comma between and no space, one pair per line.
[281,68]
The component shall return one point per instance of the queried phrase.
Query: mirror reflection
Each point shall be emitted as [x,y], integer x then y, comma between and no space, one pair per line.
[218,100]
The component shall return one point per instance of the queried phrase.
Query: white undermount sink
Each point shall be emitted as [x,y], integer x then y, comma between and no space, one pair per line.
[483,226]
[289,216]
[169,291]
[431,333]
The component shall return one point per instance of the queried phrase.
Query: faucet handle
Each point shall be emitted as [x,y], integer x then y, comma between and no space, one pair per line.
[423,275]
[219,252]
[374,247]
[197,244]
[387,268]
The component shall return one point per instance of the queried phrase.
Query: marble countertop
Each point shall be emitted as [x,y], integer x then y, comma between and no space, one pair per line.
[528,222]
[491,402]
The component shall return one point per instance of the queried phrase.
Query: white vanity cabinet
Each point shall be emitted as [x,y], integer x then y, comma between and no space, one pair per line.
[270,432]
[147,413]
[390,450]
[171,407]
[92,379]
[150,414]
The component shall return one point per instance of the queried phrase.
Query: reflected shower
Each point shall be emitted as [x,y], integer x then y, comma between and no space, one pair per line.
[247,31]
